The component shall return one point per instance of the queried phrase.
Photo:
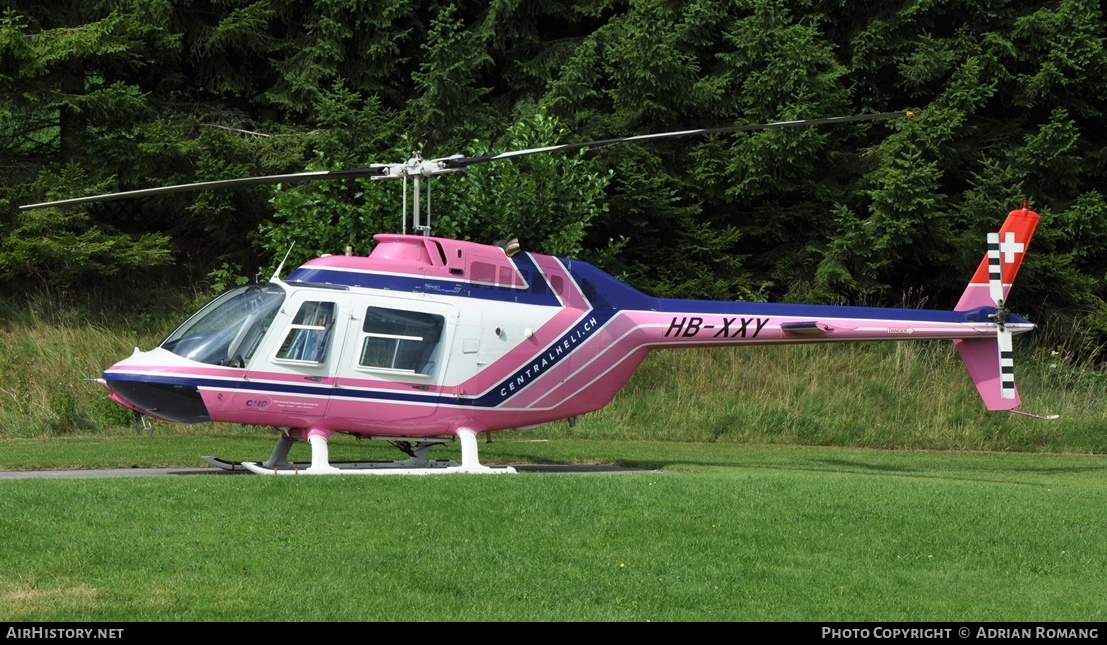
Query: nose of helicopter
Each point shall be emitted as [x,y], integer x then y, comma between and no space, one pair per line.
[154,393]
[172,402]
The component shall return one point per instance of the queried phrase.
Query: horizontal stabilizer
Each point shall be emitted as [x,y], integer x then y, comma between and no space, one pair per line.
[806,327]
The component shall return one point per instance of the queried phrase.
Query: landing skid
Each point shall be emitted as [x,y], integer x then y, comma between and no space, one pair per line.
[223,464]
[372,468]
[240,466]
[416,464]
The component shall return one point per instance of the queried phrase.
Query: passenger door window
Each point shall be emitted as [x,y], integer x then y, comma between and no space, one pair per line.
[309,335]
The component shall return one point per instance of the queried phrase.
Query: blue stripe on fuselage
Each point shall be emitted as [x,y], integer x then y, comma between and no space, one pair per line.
[821,312]
[537,291]
[606,292]
[279,388]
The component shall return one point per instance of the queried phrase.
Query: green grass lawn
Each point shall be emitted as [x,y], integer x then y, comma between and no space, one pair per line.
[853,483]
[710,533]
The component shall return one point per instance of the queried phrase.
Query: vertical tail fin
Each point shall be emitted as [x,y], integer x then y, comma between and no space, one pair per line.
[989,360]
[1014,239]
[996,387]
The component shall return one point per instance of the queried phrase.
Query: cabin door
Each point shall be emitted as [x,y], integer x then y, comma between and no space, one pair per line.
[293,370]
[393,363]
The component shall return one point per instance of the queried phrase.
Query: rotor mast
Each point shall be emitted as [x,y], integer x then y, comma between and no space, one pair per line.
[416,168]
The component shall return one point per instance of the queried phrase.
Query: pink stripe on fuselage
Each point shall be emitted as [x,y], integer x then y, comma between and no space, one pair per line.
[570,294]
[575,308]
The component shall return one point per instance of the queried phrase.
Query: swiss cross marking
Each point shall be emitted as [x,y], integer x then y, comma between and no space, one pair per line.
[1009,248]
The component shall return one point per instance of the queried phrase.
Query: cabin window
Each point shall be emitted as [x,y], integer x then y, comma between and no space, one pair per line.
[399,340]
[307,337]
[482,272]
[558,285]
[507,277]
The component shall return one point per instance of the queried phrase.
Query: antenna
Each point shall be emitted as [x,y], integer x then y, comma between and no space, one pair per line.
[277,273]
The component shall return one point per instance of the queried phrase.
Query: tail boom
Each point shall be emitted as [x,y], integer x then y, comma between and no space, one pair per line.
[980,325]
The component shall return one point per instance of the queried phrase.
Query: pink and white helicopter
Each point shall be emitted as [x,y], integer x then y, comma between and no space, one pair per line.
[429,339]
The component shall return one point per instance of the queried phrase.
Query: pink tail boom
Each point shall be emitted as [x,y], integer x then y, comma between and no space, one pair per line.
[991,370]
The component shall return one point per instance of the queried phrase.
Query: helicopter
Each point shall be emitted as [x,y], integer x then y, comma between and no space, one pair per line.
[429,339]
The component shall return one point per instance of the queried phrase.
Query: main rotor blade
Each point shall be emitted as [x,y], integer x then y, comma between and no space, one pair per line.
[451,164]
[468,161]
[370,171]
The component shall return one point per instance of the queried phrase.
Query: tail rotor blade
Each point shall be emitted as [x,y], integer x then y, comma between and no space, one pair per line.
[1006,363]
[995,270]
[1003,335]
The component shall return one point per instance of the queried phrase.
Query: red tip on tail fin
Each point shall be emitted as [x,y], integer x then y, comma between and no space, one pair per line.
[1014,240]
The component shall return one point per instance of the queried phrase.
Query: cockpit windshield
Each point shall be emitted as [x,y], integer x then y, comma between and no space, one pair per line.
[229,329]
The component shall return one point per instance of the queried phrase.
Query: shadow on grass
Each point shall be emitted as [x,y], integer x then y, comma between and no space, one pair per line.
[984,471]
[857,465]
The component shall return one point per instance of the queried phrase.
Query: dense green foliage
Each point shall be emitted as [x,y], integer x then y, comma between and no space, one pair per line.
[102,95]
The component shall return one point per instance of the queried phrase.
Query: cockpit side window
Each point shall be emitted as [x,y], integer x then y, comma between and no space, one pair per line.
[403,341]
[309,335]
[228,330]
